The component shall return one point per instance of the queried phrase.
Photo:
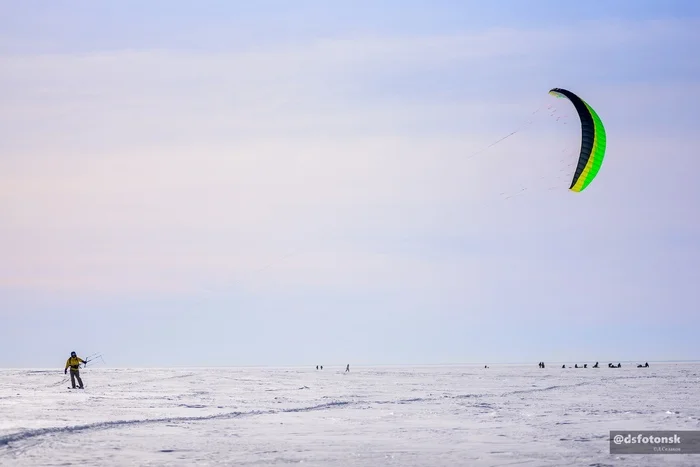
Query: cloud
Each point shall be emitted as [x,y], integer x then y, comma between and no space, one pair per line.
[166,170]
[147,95]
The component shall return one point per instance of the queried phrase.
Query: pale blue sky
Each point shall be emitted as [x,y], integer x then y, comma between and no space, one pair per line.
[289,183]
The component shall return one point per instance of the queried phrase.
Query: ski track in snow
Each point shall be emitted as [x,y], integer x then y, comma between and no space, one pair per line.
[441,415]
[5,440]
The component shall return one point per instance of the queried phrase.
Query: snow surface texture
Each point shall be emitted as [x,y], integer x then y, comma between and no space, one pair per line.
[402,416]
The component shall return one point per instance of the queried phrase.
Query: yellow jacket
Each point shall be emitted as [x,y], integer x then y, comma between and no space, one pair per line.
[74,363]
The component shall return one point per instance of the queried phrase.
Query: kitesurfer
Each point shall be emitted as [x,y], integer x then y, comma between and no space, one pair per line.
[74,364]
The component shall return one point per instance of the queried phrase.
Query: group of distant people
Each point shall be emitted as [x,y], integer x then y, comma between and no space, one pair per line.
[347,368]
[73,363]
[610,365]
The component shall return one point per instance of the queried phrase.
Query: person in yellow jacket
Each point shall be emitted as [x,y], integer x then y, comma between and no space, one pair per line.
[74,364]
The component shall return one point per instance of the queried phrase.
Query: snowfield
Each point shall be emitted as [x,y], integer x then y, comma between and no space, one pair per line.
[506,415]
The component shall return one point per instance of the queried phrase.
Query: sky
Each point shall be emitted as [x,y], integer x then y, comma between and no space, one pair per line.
[312,182]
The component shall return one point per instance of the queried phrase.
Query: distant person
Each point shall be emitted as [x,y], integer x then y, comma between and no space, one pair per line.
[585,365]
[542,364]
[646,365]
[619,366]
[317,367]
[563,366]
[347,368]
[322,367]
[74,364]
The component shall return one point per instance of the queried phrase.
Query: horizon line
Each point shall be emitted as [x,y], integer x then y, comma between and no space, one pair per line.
[360,365]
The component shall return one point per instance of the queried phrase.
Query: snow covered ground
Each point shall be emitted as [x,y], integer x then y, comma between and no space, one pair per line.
[402,416]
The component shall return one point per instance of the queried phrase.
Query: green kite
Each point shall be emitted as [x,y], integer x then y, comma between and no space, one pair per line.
[592,141]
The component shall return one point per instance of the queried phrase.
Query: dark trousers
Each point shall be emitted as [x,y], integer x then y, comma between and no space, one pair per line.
[73,375]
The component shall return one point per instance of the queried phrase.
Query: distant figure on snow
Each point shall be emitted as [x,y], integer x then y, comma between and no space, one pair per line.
[322,367]
[596,365]
[563,366]
[585,365]
[646,365]
[347,368]
[317,367]
[485,366]
[74,364]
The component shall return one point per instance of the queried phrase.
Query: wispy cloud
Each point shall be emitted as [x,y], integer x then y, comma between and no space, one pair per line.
[301,142]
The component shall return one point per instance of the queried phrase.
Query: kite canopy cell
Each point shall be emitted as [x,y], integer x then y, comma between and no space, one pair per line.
[592,141]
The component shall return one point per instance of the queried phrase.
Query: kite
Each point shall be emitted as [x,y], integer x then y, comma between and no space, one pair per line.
[592,141]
